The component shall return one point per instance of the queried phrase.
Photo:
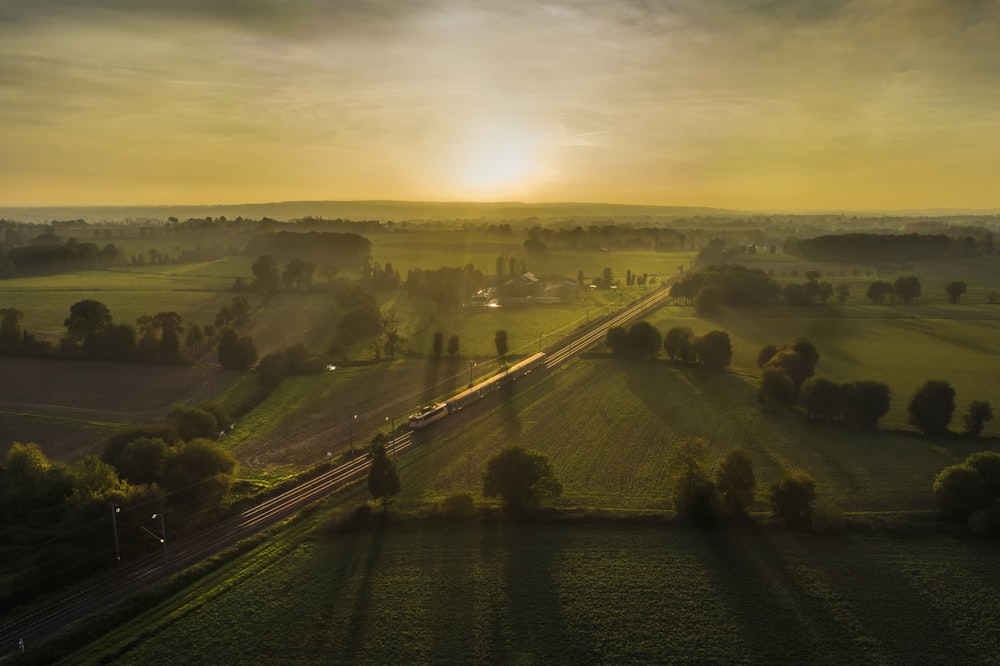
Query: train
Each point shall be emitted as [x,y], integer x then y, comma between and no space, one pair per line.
[427,415]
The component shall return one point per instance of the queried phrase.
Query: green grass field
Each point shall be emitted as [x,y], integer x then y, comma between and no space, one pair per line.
[426,592]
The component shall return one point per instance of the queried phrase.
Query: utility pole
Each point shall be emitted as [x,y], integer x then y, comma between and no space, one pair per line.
[114,525]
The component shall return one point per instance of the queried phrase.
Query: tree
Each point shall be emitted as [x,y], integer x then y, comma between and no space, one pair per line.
[198,475]
[194,339]
[843,293]
[765,354]
[267,278]
[907,288]
[807,352]
[878,291]
[736,482]
[453,343]
[500,340]
[522,479]
[865,402]
[644,340]
[713,349]
[235,352]
[678,344]
[931,407]
[979,412]
[708,302]
[776,387]
[959,491]
[792,364]
[438,345]
[954,290]
[821,398]
[10,328]
[142,460]
[694,495]
[617,340]
[87,320]
[792,499]
[383,479]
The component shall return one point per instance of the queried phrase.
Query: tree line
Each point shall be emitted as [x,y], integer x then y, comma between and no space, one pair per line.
[48,254]
[642,340]
[92,334]
[61,510]
[864,247]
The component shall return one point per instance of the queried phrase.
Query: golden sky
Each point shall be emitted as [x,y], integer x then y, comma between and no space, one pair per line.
[751,104]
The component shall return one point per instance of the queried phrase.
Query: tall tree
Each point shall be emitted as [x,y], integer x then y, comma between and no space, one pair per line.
[979,412]
[907,288]
[932,406]
[736,481]
[438,345]
[10,328]
[266,275]
[500,340]
[954,290]
[383,478]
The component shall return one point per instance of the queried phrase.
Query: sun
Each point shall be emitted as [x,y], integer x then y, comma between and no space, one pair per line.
[498,162]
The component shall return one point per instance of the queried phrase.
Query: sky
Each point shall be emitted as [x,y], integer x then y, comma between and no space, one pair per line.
[747,104]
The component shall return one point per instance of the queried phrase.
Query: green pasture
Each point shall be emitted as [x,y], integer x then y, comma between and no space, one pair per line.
[426,592]
[191,290]
[609,427]
[903,346]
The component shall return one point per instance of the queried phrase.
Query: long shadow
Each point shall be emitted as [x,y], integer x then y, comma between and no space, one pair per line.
[533,628]
[455,596]
[787,620]
[780,623]
[360,614]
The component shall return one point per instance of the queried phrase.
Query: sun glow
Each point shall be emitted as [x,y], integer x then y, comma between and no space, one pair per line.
[499,162]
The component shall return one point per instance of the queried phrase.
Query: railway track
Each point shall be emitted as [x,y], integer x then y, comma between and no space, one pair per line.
[99,592]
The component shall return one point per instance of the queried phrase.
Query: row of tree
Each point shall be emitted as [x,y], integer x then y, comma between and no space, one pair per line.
[642,340]
[48,254]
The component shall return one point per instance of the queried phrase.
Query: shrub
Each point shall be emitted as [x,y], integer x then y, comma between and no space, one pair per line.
[987,466]
[960,490]
[776,388]
[458,505]
[792,499]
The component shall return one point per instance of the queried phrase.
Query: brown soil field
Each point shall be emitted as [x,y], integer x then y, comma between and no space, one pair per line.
[70,407]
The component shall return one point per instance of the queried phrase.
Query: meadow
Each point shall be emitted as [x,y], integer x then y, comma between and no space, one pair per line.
[431,592]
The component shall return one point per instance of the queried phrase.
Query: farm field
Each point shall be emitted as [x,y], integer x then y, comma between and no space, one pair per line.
[902,346]
[433,249]
[430,592]
[609,426]
[70,408]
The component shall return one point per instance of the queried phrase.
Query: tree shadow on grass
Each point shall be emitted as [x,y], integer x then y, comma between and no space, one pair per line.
[531,626]
[455,597]
[815,610]
[781,624]
[354,634]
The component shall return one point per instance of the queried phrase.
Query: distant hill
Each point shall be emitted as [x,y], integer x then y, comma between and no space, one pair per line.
[358,210]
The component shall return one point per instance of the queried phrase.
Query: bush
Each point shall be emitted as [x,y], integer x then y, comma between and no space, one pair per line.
[960,491]
[776,388]
[987,466]
[458,506]
[792,499]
